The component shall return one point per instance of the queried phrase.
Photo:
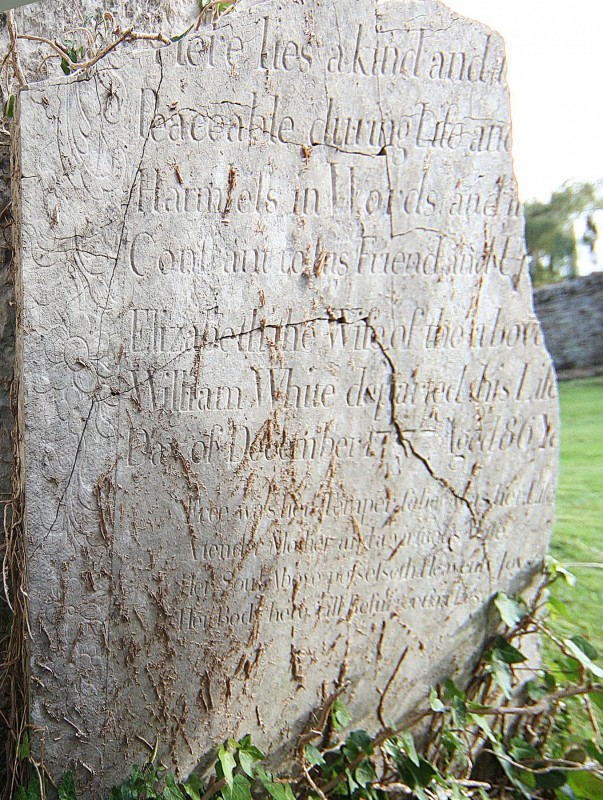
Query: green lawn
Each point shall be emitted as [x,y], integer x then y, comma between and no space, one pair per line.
[578,533]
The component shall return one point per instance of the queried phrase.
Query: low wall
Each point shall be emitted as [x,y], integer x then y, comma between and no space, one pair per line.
[571,314]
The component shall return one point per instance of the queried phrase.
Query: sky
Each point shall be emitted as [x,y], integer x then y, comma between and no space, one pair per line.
[555,67]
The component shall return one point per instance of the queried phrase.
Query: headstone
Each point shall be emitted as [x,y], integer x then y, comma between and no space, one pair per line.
[287,420]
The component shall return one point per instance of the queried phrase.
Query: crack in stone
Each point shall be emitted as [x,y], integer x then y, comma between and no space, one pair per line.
[69,479]
[341,320]
[129,201]
[404,442]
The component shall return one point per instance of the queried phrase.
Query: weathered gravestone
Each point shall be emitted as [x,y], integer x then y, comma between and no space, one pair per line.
[286,415]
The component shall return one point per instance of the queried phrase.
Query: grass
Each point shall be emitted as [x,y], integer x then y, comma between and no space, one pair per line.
[578,536]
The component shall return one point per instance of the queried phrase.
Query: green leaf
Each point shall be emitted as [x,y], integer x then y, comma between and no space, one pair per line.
[23,750]
[365,773]
[511,612]
[504,651]
[32,792]
[570,669]
[503,677]
[423,774]
[356,743]
[534,690]
[182,35]
[483,725]
[67,787]
[553,779]
[454,744]
[503,760]
[451,690]
[278,791]
[586,785]
[593,751]
[583,658]
[313,756]
[194,787]
[520,750]
[435,702]
[239,790]
[249,755]
[559,607]
[555,569]
[340,714]
[65,66]
[408,741]
[9,109]
[459,713]
[171,791]
[597,699]
[227,764]
[247,745]
[586,647]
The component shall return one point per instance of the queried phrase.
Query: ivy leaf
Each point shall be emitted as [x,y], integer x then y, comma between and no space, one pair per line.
[553,779]
[559,607]
[182,35]
[459,713]
[171,791]
[23,751]
[67,788]
[356,743]
[365,774]
[9,107]
[227,764]
[483,725]
[593,751]
[597,699]
[435,702]
[586,647]
[504,651]
[585,785]
[451,690]
[556,569]
[511,612]
[278,791]
[509,771]
[454,744]
[503,676]
[520,750]
[340,715]
[240,789]
[535,691]
[313,756]
[581,656]
[408,741]
[423,774]
[249,754]
[194,787]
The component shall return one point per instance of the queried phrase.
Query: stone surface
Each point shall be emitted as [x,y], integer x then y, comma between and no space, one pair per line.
[571,315]
[54,20]
[82,23]
[286,417]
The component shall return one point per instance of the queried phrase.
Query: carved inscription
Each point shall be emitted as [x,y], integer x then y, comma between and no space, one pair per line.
[297,412]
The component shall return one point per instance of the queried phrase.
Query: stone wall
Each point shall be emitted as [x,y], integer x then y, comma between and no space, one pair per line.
[571,314]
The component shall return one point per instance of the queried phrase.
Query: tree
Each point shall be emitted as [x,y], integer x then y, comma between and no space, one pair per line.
[550,230]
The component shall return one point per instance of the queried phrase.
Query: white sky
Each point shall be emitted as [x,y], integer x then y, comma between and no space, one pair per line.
[555,67]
